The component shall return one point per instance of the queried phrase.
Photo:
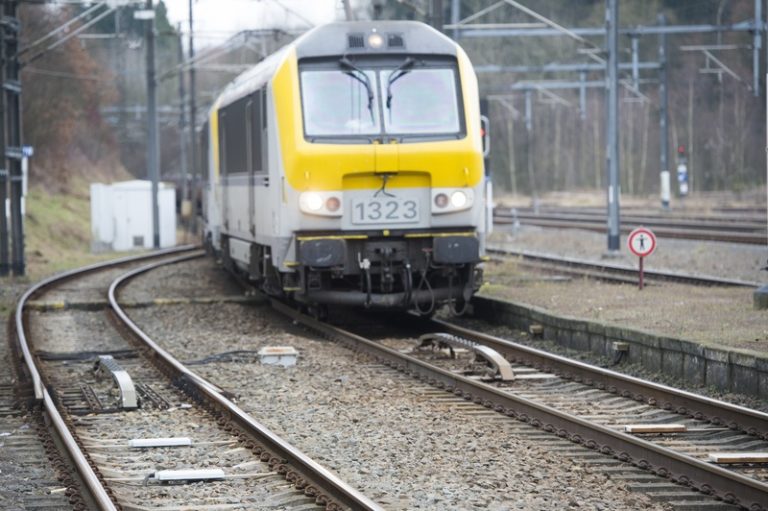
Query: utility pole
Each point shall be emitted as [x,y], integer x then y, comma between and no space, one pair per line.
[153,145]
[5,266]
[182,129]
[348,11]
[612,84]
[455,17]
[13,150]
[663,117]
[757,42]
[378,7]
[193,120]
[437,14]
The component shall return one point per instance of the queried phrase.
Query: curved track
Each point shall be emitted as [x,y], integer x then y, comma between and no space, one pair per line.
[110,472]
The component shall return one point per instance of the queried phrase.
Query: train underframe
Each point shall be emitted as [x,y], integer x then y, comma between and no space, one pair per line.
[420,272]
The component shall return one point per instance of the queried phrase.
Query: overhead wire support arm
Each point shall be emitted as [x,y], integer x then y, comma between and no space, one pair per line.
[547,21]
[711,57]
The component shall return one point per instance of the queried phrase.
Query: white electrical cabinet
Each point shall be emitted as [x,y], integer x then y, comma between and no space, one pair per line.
[121,216]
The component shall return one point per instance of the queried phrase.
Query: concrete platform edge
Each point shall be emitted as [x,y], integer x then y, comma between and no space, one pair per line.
[722,369]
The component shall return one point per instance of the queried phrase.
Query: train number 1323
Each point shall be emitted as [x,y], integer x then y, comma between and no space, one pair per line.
[385,210]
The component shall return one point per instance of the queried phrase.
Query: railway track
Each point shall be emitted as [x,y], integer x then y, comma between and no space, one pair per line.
[392,439]
[168,438]
[549,263]
[590,406]
[34,476]
[730,228]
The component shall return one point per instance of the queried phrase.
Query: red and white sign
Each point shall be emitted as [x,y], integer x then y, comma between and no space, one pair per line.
[642,242]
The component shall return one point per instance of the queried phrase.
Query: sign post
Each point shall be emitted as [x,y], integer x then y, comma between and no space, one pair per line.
[642,243]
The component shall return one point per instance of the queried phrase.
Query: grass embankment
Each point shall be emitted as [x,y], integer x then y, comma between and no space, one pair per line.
[57,236]
[58,233]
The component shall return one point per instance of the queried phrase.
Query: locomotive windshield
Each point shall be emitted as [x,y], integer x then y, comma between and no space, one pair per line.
[337,103]
[420,101]
[406,101]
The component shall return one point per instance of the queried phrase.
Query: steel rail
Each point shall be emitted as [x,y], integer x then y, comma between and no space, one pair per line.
[626,271]
[84,469]
[736,417]
[664,232]
[693,225]
[688,222]
[320,479]
[683,469]
[87,474]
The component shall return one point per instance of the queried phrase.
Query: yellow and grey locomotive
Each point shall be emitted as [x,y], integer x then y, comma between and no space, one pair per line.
[347,168]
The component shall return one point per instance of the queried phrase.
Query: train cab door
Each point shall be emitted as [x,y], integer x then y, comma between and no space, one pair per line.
[223,168]
[249,130]
[259,198]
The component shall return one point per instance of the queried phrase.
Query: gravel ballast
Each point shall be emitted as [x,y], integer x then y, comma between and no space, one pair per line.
[379,430]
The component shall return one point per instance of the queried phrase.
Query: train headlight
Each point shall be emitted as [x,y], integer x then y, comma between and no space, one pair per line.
[375,41]
[321,203]
[441,200]
[458,199]
[312,201]
[451,200]
[333,204]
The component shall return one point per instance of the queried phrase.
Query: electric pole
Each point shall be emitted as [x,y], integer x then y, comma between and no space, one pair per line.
[663,115]
[182,128]
[13,145]
[437,14]
[153,145]
[348,11]
[5,266]
[193,119]
[612,83]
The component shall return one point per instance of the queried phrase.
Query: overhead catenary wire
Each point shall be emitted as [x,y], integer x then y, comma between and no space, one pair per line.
[62,28]
[69,36]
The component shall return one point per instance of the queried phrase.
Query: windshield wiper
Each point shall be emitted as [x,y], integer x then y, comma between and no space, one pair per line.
[400,71]
[346,63]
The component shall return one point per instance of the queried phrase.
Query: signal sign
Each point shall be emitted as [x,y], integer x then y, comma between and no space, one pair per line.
[642,242]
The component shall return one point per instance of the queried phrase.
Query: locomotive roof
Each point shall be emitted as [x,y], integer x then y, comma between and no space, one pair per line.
[352,37]
[344,38]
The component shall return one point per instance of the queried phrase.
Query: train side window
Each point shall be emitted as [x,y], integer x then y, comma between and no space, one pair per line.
[234,138]
[249,127]
[222,143]
[264,132]
[202,156]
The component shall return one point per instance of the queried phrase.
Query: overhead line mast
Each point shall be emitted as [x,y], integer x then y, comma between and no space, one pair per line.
[193,157]
[5,266]
[10,134]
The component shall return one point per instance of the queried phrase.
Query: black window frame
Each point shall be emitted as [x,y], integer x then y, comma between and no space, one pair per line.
[380,63]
